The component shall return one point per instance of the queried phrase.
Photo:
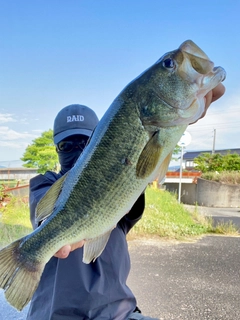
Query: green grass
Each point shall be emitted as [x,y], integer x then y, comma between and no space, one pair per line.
[163,217]
[14,221]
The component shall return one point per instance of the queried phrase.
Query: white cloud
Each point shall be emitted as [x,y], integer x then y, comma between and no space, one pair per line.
[9,117]
[8,134]
[6,117]
[14,144]
[224,117]
[24,121]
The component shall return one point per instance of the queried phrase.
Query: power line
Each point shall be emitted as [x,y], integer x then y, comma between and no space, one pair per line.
[214,141]
[232,111]
[210,126]
[218,123]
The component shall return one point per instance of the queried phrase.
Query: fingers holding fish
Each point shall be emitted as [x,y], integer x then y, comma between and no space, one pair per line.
[213,95]
[65,250]
[218,92]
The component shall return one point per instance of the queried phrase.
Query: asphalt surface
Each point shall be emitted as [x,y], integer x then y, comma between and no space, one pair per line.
[194,281]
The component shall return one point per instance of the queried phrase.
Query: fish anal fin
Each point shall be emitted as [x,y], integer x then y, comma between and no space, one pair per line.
[149,157]
[94,247]
[46,205]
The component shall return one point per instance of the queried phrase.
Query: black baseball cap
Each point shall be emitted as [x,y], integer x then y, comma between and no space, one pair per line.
[74,119]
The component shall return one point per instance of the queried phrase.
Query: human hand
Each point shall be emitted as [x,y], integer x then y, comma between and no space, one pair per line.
[212,96]
[65,250]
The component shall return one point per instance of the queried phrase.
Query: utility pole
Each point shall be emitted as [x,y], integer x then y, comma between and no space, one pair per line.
[180,177]
[214,141]
[183,142]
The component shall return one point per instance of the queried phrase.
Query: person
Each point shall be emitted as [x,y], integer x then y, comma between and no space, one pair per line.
[68,288]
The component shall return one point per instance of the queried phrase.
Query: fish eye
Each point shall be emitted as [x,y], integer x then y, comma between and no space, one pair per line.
[169,63]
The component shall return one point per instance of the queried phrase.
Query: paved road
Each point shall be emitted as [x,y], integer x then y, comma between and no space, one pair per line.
[192,281]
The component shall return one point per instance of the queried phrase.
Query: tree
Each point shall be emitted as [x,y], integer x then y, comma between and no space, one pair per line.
[177,150]
[232,162]
[207,162]
[41,153]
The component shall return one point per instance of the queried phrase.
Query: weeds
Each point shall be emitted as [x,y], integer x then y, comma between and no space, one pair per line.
[226,228]
[163,217]
[227,177]
[14,221]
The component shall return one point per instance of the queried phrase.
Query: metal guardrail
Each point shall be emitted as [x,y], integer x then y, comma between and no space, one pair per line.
[18,191]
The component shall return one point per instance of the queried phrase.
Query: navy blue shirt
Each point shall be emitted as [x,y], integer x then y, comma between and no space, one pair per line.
[70,289]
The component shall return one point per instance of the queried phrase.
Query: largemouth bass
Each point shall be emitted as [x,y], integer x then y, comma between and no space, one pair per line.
[131,145]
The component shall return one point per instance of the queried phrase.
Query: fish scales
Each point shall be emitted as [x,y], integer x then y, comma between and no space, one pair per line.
[101,206]
[98,208]
[131,146]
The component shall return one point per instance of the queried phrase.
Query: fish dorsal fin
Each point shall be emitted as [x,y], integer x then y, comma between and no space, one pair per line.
[94,247]
[149,157]
[164,167]
[46,205]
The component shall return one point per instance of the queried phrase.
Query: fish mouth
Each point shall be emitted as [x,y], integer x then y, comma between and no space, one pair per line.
[189,76]
[215,77]
[198,72]
[224,74]
[195,108]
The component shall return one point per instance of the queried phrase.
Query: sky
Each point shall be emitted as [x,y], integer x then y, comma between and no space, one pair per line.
[56,52]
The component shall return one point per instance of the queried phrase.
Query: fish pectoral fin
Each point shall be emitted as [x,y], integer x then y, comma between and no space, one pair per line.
[94,247]
[46,205]
[149,157]
[164,167]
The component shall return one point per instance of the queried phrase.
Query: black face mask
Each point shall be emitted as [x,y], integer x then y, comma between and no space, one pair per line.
[67,160]
[69,151]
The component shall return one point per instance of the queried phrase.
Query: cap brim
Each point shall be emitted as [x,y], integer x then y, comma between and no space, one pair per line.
[63,135]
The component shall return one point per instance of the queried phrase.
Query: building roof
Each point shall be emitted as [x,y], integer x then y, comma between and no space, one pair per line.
[190,155]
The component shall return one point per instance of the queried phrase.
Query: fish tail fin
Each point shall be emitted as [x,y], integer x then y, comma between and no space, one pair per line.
[18,277]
